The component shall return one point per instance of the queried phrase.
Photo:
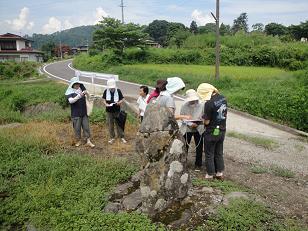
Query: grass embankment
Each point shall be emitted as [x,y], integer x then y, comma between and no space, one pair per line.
[270,93]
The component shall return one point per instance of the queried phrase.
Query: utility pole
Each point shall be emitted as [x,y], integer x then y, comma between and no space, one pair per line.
[217,49]
[122,6]
[60,44]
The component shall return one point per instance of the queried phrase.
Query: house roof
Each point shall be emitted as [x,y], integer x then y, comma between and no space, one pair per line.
[13,36]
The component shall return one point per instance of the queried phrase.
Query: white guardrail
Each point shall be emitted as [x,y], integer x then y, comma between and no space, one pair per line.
[95,75]
[92,86]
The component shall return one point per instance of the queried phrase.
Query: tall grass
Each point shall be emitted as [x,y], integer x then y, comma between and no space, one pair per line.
[16,96]
[51,189]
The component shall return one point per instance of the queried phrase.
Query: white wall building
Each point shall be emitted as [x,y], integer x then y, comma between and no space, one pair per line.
[17,48]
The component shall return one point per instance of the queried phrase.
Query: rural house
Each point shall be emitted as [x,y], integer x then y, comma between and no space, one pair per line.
[17,48]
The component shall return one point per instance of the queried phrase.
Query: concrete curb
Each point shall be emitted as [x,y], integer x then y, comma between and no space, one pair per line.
[270,123]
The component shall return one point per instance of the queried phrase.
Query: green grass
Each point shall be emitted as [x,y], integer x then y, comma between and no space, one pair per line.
[59,191]
[16,96]
[259,169]
[282,172]
[258,141]
[226,186]
[242,215]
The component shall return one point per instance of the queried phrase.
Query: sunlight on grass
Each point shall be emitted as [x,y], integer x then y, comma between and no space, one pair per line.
[258,141]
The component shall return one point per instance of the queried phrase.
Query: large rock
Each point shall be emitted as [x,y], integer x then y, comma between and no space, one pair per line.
[165,178]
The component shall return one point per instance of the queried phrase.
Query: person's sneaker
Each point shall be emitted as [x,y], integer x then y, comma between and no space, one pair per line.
[90,144]
[198,168]
[123,141]
[111,141]
[219,176]
[208,177]
[78,144]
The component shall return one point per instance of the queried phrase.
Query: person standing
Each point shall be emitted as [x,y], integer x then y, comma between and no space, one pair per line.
[113,98]
[193,127]
[142,101]
[75,94]
[215,116]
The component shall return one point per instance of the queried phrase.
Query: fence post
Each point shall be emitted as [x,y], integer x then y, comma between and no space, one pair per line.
[93,85]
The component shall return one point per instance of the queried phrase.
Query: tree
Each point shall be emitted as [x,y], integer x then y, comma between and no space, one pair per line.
[240,23]
[275,29]
[65,49]
[158,30]
[208,28]
[178,38]
[299,31]
[225,29]
[48,49]
[193,27]
[112,34]
[259,27]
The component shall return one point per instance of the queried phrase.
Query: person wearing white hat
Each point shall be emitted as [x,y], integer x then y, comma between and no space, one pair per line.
[113,98]
[170,87]
[194,127]
[75,94]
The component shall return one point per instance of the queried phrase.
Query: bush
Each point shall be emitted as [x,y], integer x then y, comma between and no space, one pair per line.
[14,70]
[18,103]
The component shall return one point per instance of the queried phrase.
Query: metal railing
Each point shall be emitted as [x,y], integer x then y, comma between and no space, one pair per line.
[93,76]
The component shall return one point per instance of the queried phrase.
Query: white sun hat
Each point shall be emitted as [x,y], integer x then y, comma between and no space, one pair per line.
[174,84]
[191,95]
[111,83]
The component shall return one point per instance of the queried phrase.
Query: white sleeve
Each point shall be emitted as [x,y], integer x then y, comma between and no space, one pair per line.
[73,100]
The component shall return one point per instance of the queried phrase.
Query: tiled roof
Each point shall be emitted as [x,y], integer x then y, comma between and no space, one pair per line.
[12,36]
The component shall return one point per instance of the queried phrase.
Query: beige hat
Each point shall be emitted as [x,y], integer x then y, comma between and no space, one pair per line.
[191,95]
[111,83]
[205,91]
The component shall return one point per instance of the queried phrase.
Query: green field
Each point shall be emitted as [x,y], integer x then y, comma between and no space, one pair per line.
[270,93]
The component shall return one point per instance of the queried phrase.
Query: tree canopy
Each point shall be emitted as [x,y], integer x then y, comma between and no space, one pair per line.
[112,34]
[240,23]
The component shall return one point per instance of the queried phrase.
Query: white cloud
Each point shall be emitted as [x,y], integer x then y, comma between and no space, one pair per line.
[67,25]
[22,21]
[99,14]
[201,18]
[53,25]
[30,25]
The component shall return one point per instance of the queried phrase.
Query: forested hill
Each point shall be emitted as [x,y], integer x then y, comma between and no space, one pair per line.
[72,37]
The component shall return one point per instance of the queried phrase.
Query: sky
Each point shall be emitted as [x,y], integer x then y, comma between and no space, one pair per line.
[47,16]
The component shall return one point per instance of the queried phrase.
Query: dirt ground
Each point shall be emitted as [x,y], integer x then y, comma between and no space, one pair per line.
[287,196]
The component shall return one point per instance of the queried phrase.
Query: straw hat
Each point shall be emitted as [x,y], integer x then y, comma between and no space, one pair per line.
[111,83]
[191,95]
[205,91]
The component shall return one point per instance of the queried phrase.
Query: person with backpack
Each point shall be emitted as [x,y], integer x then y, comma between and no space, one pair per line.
[215,117]
[76,96]
[113,98]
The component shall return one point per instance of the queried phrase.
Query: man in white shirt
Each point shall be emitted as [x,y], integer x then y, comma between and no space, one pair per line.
[142,101]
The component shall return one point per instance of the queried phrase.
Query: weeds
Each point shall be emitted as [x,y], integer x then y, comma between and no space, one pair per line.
[258,141]
[282,172]
[226,186]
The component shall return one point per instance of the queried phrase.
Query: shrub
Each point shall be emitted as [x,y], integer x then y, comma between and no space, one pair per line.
[18,103]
